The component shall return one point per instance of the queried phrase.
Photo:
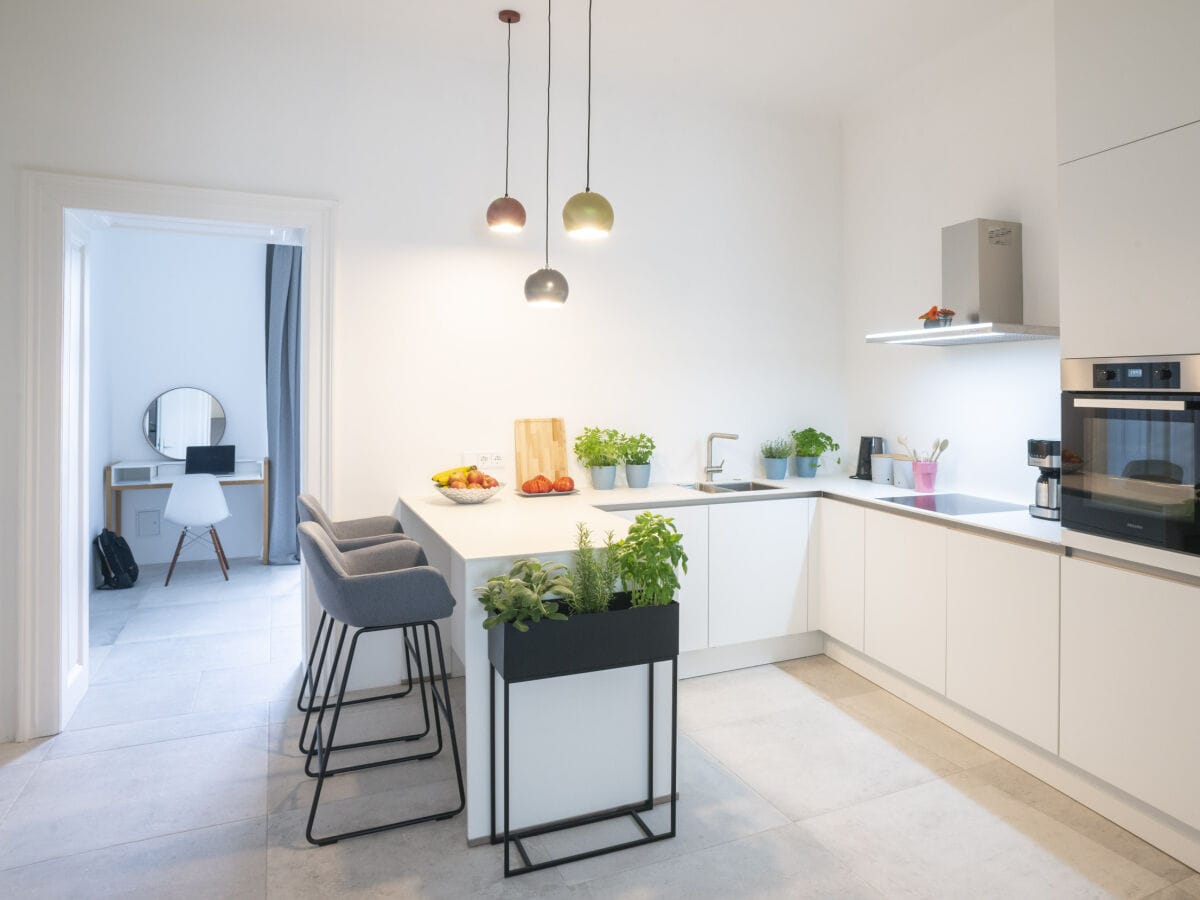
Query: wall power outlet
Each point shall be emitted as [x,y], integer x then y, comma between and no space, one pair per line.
[485,459]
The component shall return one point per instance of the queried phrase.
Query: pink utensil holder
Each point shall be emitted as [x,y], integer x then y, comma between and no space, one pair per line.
[924,477]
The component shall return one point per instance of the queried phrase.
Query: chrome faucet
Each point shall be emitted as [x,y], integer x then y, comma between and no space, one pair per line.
[710,470]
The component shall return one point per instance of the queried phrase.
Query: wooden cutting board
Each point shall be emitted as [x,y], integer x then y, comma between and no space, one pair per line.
[541,448]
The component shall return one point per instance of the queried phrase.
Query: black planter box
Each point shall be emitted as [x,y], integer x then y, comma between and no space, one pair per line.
[623,636]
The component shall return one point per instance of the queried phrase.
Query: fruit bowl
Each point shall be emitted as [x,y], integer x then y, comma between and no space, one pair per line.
[469,495]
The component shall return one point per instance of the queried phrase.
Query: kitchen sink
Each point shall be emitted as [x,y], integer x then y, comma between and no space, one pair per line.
[729,487]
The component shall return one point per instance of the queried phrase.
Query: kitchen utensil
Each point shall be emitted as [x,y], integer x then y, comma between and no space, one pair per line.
[881,468]
[866,447]
[940,450]
[541,448]
[469,496]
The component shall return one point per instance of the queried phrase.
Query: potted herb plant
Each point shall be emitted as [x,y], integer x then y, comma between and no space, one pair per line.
[599,449]
[640,625]
[809,445]
[775,457]
[637,450]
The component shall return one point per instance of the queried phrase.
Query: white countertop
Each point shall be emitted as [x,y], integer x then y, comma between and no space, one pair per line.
[509,525]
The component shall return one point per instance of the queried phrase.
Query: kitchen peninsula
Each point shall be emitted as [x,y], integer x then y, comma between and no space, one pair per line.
[987,621]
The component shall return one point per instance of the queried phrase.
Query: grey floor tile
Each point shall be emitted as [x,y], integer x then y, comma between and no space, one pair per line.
[115,601]
[242,685]
[20,754]
[285,609]
[217,617]
[738,695]
[785,862]
[1188,889]
[84,803]
[12,781]
[226,861]
[827,678]
[96,657]
[957,838]
[105,627]
[714,807]
[1058,806]
[151,731]
[179,655]
[431,860]
[881,708]
[129,701]
[817,758]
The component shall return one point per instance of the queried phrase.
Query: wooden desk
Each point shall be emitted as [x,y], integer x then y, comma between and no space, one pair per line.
[163,475]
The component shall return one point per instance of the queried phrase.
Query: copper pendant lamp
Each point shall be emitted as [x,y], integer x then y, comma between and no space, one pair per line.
[588,215]
[547,286]
[506,215]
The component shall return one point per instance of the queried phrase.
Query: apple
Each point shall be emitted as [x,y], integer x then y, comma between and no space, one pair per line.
[457,483]
[475,477]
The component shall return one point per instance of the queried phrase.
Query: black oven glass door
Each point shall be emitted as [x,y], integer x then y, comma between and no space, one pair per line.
[1130,464]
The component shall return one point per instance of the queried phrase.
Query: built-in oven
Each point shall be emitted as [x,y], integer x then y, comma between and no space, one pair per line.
[1131,449]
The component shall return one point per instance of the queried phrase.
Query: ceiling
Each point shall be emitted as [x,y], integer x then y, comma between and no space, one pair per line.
[814,54]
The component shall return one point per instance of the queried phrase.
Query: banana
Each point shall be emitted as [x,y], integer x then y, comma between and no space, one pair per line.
[444,478]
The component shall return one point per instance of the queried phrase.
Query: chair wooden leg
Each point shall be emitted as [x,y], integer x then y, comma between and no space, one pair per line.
[216,541]
[220,547]
[175,557]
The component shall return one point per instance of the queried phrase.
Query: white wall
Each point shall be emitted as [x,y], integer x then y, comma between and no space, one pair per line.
[714,306]
[179,310]
[970,133]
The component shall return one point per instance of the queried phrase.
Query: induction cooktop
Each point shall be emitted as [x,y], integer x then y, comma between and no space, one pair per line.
[954,504]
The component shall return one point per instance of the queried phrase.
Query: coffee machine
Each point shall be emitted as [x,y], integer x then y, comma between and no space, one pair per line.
[1046,456]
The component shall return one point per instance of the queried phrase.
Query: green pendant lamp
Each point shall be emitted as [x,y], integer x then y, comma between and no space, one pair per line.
[547,286]
[588,215]
[506,215]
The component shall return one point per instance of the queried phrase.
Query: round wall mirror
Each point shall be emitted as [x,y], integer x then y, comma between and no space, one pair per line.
[183,417]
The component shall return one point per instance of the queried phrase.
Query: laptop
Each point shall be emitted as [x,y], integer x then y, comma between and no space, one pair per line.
[218,460]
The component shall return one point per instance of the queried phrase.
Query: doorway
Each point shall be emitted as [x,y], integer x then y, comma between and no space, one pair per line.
[56,506]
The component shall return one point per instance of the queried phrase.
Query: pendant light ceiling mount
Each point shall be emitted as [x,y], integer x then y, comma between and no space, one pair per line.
[506,215]
[588,215]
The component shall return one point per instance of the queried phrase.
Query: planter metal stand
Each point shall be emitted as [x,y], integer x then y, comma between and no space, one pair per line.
[612,640]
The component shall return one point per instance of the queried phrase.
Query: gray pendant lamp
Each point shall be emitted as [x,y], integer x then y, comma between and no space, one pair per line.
[588,215]
[547,286]
[506,215]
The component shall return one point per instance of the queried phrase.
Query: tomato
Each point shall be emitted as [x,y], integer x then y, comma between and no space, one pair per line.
[565,483]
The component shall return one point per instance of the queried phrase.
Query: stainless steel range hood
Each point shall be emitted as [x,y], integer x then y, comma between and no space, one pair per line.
[981,282]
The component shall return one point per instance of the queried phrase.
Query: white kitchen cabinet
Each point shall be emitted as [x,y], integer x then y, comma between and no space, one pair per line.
[1002,634]
[905,609]
[1129,270]
[1129,674]
[838,550]
[692,522]
[758,570]
[1124,71]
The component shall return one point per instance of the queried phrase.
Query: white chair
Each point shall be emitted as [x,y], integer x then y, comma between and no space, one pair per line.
[197,503]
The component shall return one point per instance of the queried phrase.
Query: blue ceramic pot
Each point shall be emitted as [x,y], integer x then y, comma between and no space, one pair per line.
[775,468]
[638,476]
[806,466]
[604,478]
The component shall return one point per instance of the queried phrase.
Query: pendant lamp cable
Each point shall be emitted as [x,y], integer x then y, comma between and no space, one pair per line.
[549,10]
[587,177]
[507,107]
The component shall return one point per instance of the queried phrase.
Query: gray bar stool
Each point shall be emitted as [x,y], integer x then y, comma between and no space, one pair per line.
[348,535]
[369,592]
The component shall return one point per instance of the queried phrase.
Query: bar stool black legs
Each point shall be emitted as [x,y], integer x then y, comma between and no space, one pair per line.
[313,679]
[323,745]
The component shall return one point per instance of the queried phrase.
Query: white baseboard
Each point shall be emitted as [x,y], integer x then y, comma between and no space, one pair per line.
[754,653]
[1168,834]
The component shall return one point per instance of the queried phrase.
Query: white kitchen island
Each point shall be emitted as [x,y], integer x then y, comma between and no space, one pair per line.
[578,742]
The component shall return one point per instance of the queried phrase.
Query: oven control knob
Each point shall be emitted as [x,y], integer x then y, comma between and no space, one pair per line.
[1109,374]
[1162,374]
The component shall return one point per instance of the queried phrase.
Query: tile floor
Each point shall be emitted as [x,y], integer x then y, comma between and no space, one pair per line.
[179,777]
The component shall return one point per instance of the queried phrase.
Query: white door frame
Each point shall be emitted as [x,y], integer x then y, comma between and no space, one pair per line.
[44,601]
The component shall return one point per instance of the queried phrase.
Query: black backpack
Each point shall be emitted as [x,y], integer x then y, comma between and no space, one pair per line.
[116,560]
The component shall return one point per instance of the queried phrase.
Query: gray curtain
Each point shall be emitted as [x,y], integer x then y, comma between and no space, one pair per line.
[283,399]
